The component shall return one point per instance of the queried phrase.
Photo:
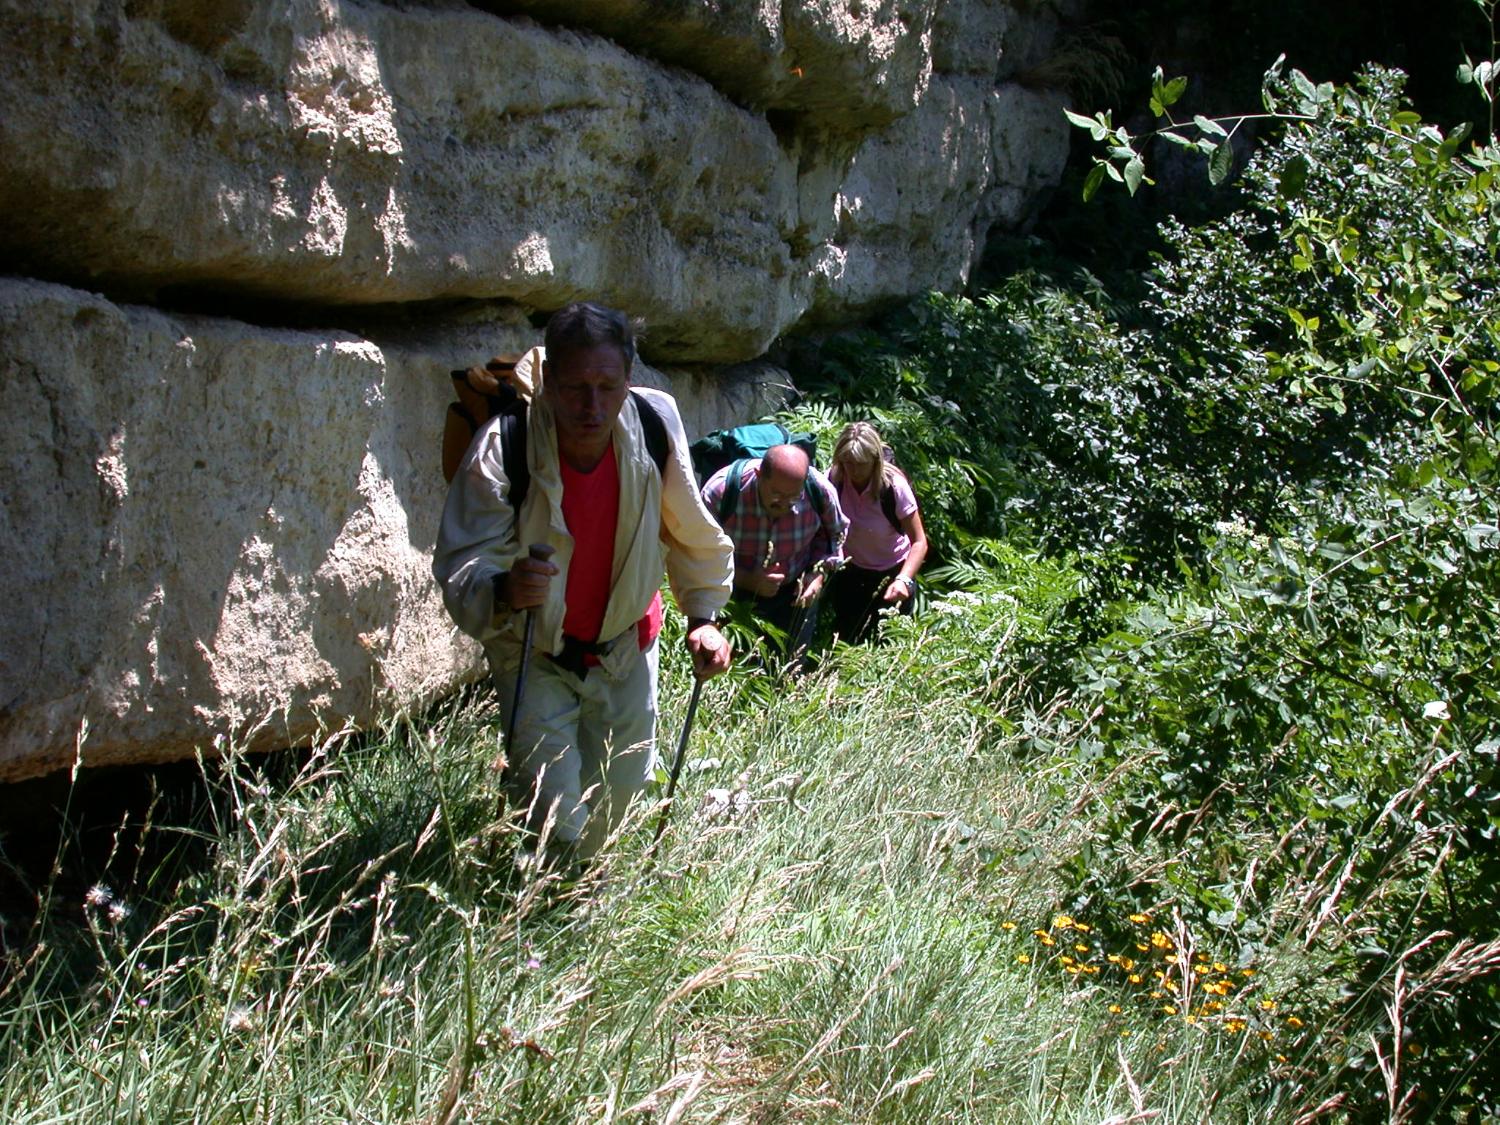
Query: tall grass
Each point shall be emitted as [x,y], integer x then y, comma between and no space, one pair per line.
[842,924]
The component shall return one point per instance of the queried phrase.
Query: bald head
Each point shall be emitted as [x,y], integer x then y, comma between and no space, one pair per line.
[783,470]
[785,461]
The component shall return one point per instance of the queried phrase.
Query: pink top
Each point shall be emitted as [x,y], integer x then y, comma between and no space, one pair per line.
[873,544]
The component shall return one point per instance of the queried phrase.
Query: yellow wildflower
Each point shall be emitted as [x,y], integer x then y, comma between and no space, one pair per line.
[1161,940]
[1127,963]
[1235,1025]
[1116,1009]
[1024,958]
[1293,1022]
[1140,919]
[1062,922]
[1268,1005]
[1135,978]
[1169,1009]
[1220,967]
[1113,958]
[1007,925]
[1082,928]
[1081,946]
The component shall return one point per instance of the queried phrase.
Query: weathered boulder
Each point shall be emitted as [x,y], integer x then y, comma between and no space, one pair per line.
[831,65]
[1029,130]
[902,190]
[343,153]
[189,555]
[363,153]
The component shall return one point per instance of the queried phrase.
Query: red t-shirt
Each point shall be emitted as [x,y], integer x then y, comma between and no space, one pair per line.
[591,509]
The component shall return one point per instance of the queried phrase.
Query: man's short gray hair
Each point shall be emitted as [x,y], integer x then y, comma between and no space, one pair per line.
[584,325]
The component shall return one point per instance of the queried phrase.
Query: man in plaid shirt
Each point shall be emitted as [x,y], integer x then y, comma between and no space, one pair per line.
[784,519]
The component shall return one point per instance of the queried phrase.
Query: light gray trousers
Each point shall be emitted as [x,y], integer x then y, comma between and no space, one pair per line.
[584,749]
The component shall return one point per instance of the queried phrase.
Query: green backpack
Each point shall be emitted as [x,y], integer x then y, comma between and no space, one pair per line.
[712,452]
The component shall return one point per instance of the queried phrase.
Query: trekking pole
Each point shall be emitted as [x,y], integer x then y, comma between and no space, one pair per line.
[542,553]
[682,741]
[795,656]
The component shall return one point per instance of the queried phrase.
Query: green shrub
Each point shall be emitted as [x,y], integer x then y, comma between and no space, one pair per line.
[1276,483]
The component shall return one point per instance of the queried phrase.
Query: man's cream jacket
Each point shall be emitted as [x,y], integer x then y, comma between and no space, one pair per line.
[662,521]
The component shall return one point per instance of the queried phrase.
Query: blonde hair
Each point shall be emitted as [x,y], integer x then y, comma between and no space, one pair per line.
[860,444]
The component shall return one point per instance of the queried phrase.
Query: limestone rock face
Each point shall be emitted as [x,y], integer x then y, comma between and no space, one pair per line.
[189,555]
[901,191]
[840,66]
[346,153]
[358,154]
[247,239]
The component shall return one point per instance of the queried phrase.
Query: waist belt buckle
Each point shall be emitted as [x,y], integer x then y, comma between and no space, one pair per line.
[571,658]
[574,654]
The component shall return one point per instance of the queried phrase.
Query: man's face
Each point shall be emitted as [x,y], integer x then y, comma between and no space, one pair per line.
[586,388]
[778,491]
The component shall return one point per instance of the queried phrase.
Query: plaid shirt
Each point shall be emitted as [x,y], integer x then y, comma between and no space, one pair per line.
[798,540]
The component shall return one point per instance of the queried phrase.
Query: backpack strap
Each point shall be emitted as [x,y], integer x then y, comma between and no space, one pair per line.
[814,494]
[514,424]
[888,505]
[654,430]
[730,500]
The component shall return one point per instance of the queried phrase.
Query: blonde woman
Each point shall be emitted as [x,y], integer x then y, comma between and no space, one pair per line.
[886,545]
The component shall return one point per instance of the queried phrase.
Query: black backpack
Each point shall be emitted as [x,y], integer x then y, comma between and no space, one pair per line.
[493,395]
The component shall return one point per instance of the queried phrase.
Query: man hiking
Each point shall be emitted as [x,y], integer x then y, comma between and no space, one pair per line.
[784,519]
[583,744]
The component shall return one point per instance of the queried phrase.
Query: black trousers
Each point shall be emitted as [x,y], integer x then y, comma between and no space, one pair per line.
[798,623]
[857,601]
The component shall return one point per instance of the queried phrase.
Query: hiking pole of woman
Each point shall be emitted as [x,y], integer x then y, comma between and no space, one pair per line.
[796,645]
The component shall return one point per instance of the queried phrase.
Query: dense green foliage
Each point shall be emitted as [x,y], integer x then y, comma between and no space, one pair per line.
[1280,473]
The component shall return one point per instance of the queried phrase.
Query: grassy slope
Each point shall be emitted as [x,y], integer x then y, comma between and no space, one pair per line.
[857,946]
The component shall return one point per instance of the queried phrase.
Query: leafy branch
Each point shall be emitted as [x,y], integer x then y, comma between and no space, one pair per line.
[1484,75]
[1124,162]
